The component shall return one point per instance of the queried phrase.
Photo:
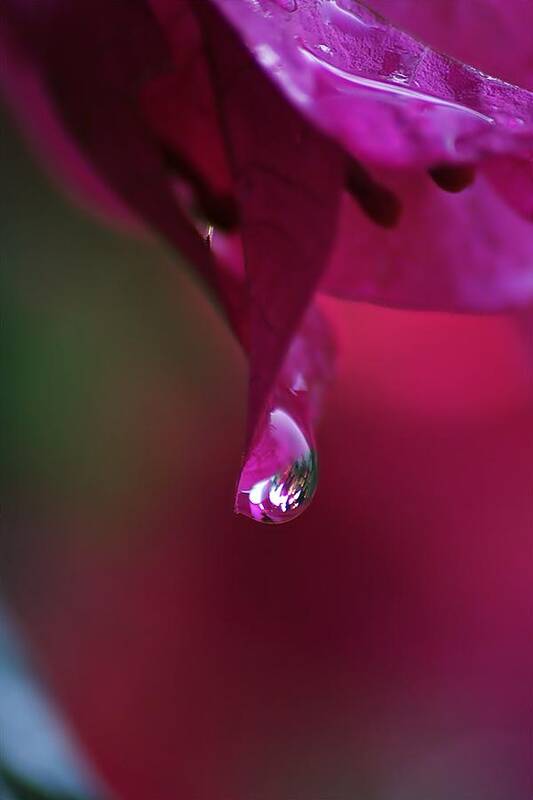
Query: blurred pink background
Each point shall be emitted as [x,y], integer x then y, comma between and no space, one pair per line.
[379,647]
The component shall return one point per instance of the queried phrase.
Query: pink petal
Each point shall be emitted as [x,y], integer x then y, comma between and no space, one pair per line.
[93,59]
[465,252]
[493,35]
[284,434]
[288,179]
[383,95]
[181,105]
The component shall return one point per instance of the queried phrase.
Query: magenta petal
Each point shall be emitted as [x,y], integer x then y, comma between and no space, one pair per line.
[181,106]
[382,94]
[288,179]
[254,116]
[493,35]
[93,58]
[279,474]
[467,251]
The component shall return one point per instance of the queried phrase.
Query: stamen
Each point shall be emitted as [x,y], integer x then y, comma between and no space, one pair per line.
[219,210]
[380,204]
[453,179]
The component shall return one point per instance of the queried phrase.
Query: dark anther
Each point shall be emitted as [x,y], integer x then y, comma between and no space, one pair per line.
[218,209]
[453,179]
[380,204]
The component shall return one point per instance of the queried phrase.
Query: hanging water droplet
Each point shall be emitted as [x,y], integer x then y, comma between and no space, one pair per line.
[279,477]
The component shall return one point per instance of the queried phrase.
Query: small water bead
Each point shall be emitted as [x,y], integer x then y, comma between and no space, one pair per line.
[346,19]
[287,5]
[279,478]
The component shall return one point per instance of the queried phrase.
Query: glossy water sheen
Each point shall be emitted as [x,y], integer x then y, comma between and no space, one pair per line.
[386,89]
[346,18]
[279,477]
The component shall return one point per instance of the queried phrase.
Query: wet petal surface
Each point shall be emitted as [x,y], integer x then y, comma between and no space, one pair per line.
[384,95]
[93,60]
[492,35]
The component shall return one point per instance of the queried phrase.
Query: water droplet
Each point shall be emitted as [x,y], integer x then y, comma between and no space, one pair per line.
[287,5]
[347,20]
[279,477]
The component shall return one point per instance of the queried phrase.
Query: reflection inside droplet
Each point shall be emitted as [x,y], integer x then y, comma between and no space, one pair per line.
[279,477]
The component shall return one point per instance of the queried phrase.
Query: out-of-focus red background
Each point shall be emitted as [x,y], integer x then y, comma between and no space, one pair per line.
[378,648]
